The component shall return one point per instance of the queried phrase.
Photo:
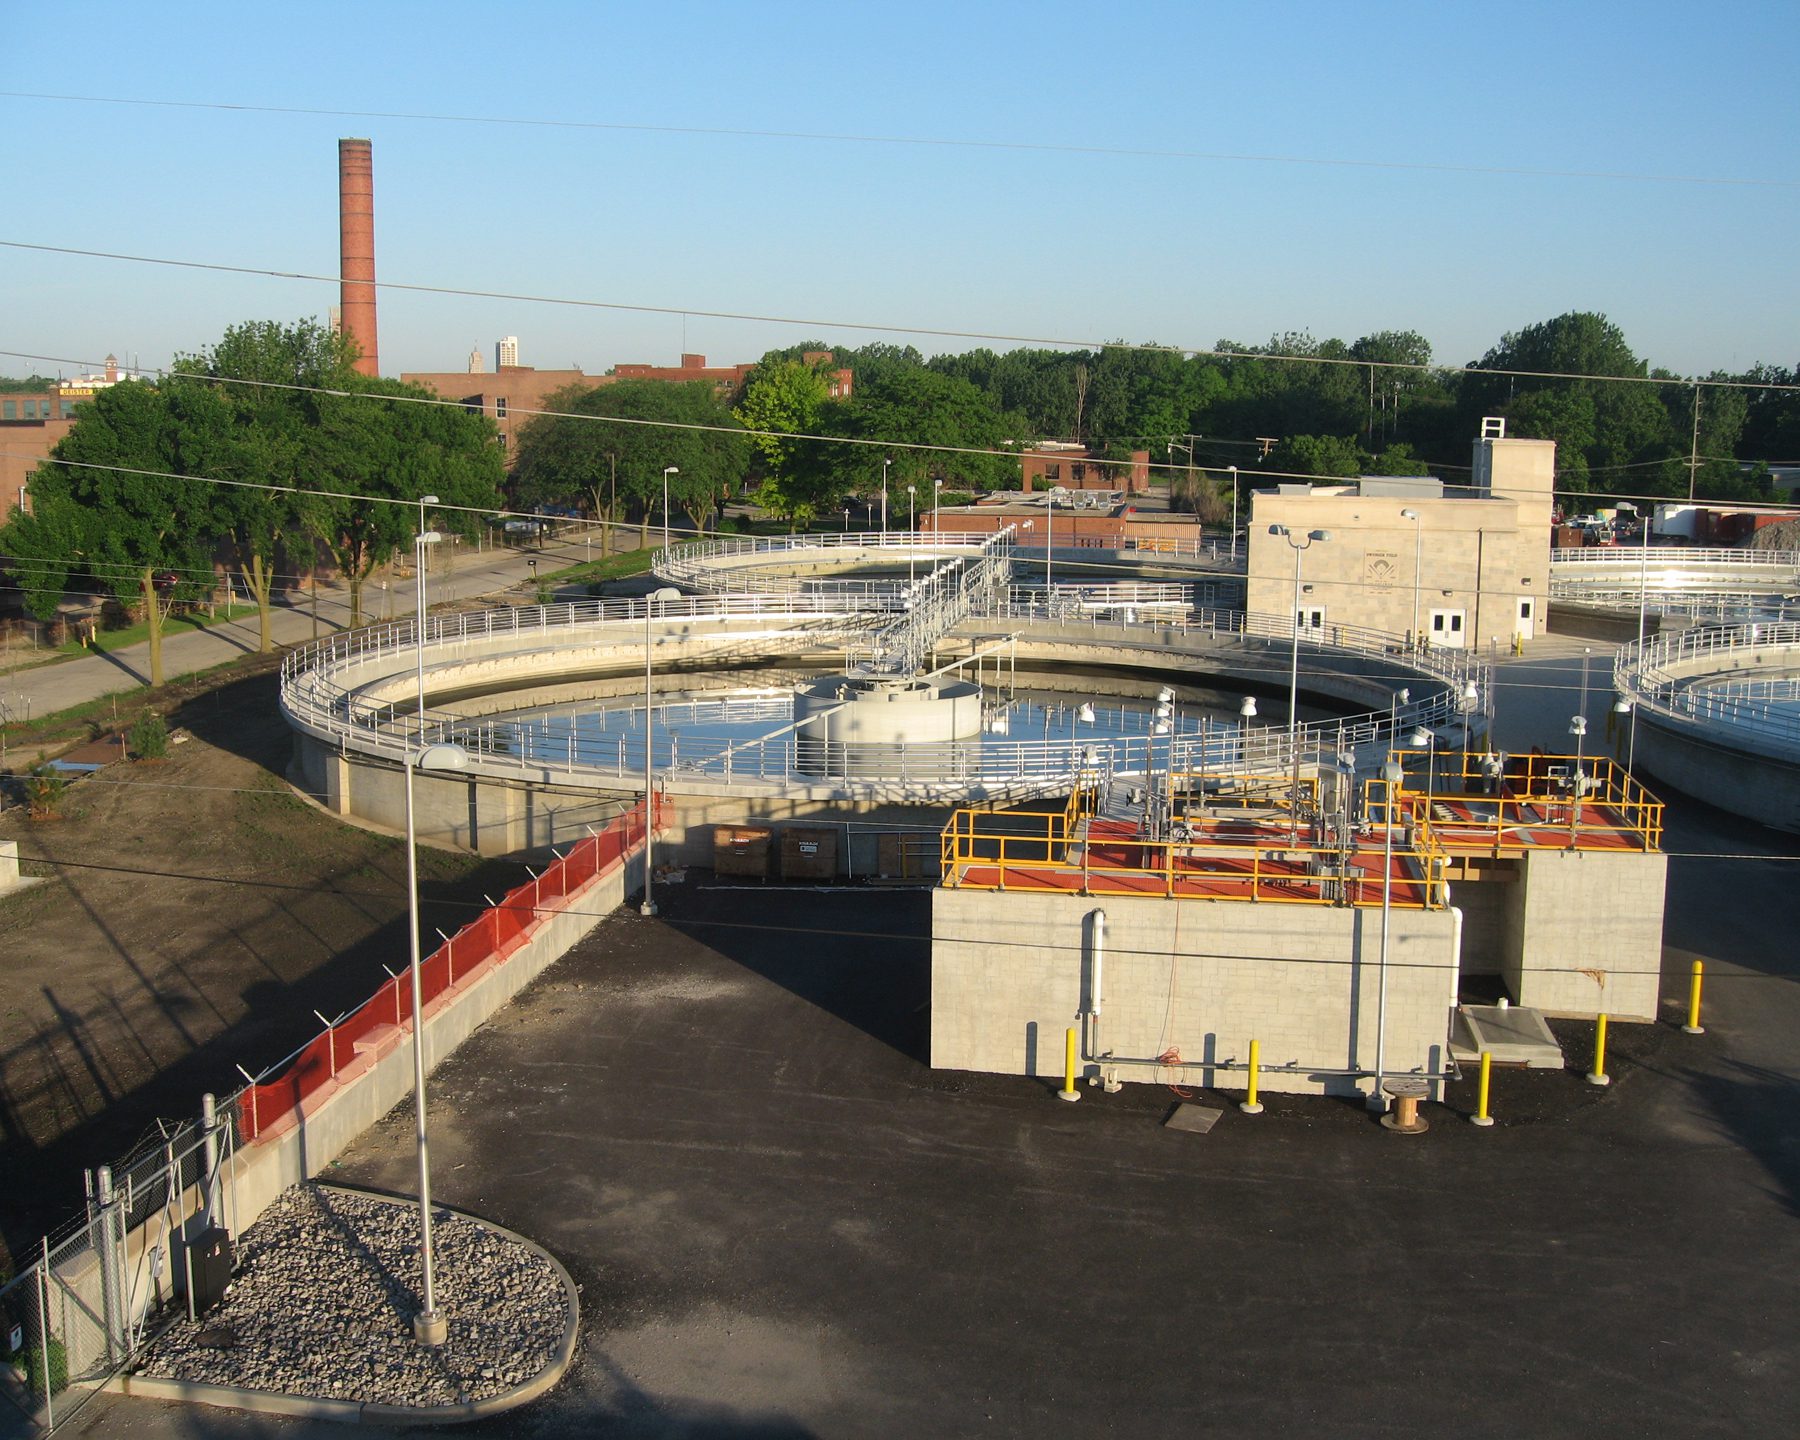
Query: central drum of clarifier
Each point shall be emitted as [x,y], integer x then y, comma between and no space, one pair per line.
[852,726]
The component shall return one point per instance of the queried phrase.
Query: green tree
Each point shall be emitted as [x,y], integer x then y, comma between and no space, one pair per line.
[784,403]
[372,450]
[1332,455]
[631,430]
[1601,425]
[114,504]
[257,433]
[923,408]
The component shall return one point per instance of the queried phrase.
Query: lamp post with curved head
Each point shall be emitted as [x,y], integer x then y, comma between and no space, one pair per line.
[937,495]
[668,470]
[652,601]
[1299,545]
[429,1325]
[1418,561]
[885,462]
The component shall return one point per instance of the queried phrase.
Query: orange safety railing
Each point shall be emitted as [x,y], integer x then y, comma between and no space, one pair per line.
[491,937]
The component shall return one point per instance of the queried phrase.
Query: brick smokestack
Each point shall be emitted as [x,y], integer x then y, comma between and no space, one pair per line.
[356,238]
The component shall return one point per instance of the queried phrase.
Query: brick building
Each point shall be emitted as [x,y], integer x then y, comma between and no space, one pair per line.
[514,392]
[1050,463]
[31,422]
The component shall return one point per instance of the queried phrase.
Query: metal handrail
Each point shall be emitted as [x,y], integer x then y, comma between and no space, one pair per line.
[1634,557]
[314,696]
[1671,675]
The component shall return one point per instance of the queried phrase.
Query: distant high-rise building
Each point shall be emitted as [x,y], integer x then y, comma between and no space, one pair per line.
[507,352]
[477,366]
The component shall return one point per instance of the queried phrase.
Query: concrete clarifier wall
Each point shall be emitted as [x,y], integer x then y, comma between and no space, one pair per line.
[1011,972]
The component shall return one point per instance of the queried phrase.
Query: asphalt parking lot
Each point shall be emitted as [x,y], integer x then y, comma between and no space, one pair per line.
[785,1225]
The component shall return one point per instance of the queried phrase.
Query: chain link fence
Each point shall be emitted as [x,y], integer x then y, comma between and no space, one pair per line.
[76,1317]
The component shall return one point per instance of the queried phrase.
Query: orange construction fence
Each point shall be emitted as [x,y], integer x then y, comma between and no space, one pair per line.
[489,938]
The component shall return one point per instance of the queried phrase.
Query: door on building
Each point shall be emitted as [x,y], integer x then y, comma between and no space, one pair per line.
[1526,623]
[1311,621]
[1448,630]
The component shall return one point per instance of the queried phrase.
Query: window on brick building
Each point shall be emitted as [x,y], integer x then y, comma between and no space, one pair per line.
[499,407]
[9,409]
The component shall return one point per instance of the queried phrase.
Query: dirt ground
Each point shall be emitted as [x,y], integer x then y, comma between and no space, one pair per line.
[195,913]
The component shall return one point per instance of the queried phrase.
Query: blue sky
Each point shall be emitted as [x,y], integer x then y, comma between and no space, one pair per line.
[1069,242]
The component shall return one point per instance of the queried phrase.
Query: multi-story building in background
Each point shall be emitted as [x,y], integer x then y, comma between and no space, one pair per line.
[514,392]
[32,421]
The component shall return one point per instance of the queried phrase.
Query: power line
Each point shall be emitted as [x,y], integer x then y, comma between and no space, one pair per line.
[920,141]
[1046,342]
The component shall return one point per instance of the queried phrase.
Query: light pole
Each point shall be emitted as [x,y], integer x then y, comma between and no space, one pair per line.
[1577,728]
[1421,738]
[1643,597]
[1390,775]
[1418,560]
[653,599]
[430,1326]
[421,539]
[1234,514]
[937,494]
[885,462]
[1055,497]
[912,536]
[1299,546]
[668,470]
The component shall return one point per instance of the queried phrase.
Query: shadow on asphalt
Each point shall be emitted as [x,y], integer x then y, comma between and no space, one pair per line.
[886,993]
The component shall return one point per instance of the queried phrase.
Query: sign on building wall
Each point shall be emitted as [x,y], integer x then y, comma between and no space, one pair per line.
[1381,569]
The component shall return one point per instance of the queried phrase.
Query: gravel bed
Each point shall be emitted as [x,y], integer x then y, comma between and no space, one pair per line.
[323,1301]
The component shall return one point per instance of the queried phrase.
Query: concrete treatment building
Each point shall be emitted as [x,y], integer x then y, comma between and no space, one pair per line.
[1446,566]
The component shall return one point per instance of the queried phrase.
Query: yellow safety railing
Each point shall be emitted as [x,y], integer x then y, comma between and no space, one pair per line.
[1015,851]
[1516,808]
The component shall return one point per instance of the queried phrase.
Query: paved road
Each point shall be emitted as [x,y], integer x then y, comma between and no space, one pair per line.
[57,686]
[786,1225]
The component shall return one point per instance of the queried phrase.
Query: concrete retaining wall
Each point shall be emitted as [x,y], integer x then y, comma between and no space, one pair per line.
[1583,933]
[333,1117]
[1010,973]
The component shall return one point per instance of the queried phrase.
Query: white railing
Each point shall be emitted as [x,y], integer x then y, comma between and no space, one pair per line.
[1608,558]
[752,562]
[1691,677]
[735,560]
[314,697]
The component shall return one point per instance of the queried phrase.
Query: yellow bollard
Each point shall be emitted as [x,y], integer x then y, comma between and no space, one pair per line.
[1249,1105]
[1481,1116]
[1693,1026]
[1068,1092]
[1598,1075]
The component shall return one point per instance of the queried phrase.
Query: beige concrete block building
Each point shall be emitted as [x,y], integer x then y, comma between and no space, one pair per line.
[1459,566]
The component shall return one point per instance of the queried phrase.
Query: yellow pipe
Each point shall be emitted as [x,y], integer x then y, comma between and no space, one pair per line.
[1250,1105]
[1598,1075]
[1481,1116]
[1693,1026]
[1068,1092]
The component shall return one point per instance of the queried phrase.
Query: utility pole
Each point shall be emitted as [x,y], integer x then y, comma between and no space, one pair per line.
[1694,445]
